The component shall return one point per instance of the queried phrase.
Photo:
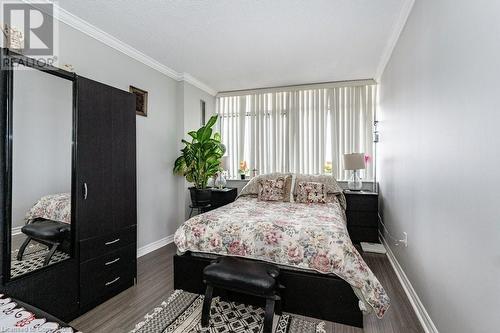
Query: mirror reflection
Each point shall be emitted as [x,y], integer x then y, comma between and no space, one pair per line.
[42,126]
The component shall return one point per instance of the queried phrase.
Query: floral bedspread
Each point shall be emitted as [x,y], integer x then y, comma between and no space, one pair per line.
[306,236]
[55,207]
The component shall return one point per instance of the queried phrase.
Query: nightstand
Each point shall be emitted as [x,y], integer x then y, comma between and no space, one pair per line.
[222,197]
[362,216]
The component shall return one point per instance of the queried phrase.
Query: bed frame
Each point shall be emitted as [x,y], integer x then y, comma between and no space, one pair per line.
[316,295]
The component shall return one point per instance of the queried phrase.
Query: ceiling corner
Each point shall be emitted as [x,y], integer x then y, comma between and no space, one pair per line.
[197,83]
[90,30]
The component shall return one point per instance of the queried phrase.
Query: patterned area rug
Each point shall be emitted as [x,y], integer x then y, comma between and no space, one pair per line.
[33,258]
[181,313]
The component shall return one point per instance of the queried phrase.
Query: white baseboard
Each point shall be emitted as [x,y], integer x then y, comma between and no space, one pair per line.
[417,305]
[16,231]
[154,246]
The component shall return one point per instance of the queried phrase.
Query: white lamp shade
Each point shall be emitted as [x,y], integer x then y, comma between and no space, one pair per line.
[224,162]
[355,161]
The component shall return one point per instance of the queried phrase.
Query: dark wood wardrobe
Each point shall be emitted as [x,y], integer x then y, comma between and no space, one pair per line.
[102,256]
[106,210]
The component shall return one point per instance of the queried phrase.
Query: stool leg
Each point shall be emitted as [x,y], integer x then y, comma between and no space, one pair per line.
[23,248]
[279,306]
[50,254]
[191,213]
[268,316]
[205,313]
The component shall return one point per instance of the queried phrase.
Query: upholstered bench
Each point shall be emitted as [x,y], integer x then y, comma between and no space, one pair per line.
[47,232]
[246,277]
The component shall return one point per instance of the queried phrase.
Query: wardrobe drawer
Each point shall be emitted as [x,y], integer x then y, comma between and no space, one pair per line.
[98,246]
[110,260]
[104,277]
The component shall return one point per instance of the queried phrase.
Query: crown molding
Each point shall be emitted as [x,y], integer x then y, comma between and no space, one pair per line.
[197,83]
[393,40]
[90,30]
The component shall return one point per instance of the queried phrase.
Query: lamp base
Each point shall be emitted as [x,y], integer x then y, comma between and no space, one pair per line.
[355,183]
[220,181]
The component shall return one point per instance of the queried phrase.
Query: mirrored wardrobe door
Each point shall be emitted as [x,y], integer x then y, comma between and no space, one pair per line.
[41,132]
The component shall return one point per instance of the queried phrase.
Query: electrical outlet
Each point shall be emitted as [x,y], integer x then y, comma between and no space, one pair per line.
[405,239]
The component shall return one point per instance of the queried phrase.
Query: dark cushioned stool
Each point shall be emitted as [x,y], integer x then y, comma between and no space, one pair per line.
[47,232]
[246,277]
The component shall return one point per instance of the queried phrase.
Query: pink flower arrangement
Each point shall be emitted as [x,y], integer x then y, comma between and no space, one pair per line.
[368,159]
[243,167]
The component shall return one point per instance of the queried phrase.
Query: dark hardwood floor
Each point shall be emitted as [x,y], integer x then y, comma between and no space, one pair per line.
[155,282]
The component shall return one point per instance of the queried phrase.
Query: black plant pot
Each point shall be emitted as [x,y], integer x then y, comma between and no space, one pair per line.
[200,197]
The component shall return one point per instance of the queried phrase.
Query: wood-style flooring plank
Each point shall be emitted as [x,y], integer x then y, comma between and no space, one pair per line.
[155,282]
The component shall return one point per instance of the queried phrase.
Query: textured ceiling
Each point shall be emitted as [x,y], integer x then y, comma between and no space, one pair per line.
[240,44]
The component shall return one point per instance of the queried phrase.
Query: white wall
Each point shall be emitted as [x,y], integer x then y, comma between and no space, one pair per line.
[157,135]
[42,139]
[439,158]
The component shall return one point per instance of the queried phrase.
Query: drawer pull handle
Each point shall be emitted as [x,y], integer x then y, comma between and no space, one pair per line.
[112,281]
[112,242]
[112,262]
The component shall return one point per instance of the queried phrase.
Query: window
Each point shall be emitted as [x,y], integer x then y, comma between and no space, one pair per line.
[303,131]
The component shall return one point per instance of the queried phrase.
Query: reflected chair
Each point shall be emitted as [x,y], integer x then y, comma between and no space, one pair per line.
[46,232]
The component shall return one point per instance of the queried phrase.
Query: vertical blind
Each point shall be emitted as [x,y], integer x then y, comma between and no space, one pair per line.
[302,131]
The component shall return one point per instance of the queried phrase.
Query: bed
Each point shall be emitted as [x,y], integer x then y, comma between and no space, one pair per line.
[303,239]
[53,207]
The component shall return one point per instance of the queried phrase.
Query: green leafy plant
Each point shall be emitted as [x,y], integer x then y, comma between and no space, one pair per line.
[200,159]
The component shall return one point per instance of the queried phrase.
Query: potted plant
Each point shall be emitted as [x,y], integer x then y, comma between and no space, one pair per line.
[200,160]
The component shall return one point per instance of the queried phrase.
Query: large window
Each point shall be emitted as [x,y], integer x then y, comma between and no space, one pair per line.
[300,130]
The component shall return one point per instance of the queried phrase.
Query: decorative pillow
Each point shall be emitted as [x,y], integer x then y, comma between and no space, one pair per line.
[331,184]
[288,195]
[253,185]
[311,192]
[272,189]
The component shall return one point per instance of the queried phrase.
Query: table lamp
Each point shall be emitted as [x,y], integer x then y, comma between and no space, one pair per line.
[220,181]
[355,162]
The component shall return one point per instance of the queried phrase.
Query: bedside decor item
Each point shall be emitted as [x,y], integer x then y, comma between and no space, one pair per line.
[243,169]
[200,160]
[141,101]
[255,172]
[220,180]
[328,167]
[355,162]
